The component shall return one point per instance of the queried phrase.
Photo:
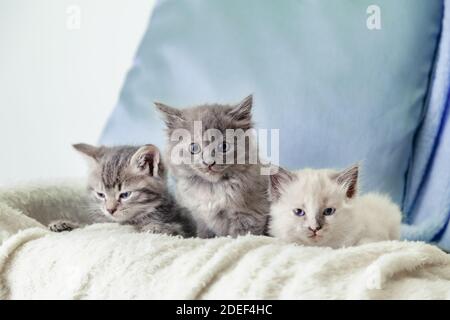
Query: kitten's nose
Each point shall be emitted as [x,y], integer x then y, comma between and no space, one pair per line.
[111,210]
[315,229]
[209,165]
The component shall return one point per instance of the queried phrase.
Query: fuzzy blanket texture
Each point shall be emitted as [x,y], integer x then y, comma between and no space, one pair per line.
[108,261]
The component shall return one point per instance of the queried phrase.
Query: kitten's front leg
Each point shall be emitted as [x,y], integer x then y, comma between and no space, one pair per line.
[63,225]
[243,223]
[171,229]
[203,231]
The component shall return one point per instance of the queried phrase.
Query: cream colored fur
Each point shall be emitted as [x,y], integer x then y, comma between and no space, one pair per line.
[358,220]
[107,261]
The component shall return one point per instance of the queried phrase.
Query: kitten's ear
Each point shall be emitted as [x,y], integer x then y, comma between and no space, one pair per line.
[278,179]
[243,112]
[91,153]
[348,178]
[172,116]
[148,159]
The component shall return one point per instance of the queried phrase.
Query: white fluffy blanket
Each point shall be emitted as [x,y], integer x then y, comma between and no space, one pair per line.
[107,261]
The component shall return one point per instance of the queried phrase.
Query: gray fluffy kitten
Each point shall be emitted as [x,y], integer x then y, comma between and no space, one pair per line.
[224,198]
[128,185]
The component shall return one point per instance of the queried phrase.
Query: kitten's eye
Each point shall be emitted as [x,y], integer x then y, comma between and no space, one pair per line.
[194,148]
[223,147]
[100,195]
[299,212]
[329,211]
[124,195]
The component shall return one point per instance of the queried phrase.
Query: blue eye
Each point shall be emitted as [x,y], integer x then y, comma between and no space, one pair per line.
[329,211]
[223,147]
[100,195]
[299,212]
[124,195]
[194,148]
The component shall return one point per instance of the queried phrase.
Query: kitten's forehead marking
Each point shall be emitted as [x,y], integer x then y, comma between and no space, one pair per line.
[114,165]
[212,117]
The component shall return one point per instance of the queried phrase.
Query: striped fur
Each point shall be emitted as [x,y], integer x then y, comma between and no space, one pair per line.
[137,171]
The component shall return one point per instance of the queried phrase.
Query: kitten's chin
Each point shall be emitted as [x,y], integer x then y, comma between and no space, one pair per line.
[209,175]
[212,177]
[313,241]
[117,217]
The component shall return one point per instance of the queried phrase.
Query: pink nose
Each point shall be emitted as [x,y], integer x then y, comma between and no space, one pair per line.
[315,229]
[111,210]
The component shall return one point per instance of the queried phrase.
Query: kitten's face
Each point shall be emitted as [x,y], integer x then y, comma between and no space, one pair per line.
[203,154]
[311,206]
[122,182]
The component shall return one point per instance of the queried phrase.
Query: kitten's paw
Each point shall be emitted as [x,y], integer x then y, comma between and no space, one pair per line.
[169,229]
[62,225]
[245,223]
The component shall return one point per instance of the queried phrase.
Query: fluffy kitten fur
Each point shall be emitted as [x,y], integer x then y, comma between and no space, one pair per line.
[224,199]
[353,220]
[128,185]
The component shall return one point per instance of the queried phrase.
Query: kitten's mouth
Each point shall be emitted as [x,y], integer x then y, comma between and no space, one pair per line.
[211,173]
[315,236]
[211,170]
[109,216]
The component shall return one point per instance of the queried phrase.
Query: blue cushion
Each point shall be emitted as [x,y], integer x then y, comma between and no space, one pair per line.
[338,91]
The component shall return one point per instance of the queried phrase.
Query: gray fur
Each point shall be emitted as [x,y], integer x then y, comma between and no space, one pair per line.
[232,198]
[63,225]
[139,170]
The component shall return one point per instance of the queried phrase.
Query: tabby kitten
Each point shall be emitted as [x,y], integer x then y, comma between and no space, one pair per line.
[225,197]
[322,208]
[128,185]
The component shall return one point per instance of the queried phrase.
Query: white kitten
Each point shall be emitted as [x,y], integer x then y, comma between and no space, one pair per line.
[322,208]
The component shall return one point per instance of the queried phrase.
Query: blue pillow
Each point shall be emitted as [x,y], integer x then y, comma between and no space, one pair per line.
[338,90]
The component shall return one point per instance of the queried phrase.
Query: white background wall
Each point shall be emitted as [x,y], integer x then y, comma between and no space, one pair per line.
[58,85]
